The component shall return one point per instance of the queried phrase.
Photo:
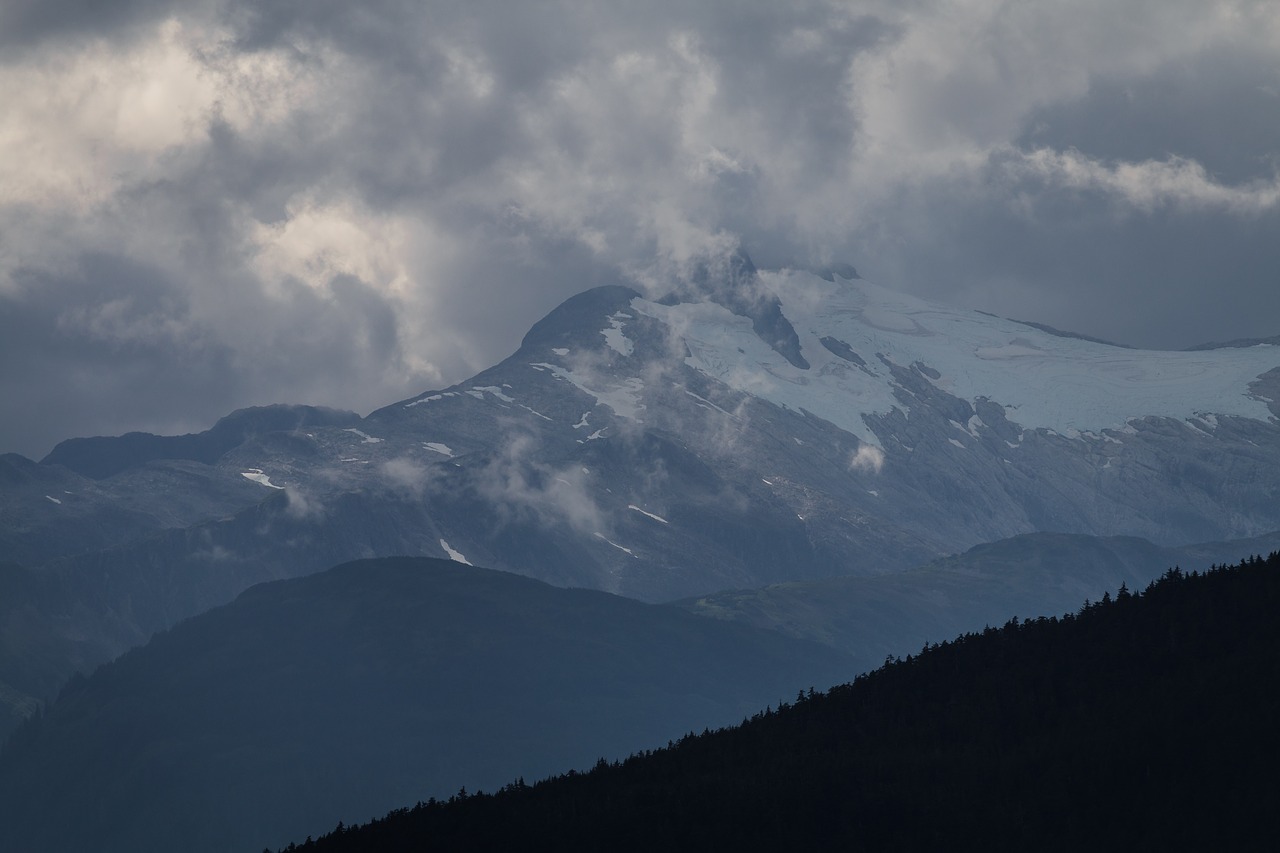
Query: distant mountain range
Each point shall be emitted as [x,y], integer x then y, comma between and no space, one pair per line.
[747,429]
[1027,576]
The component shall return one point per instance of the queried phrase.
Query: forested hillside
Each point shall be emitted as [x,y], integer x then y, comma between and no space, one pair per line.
[1141,722]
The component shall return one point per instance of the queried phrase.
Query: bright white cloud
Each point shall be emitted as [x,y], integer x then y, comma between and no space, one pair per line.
[869,459]
[79,125]
[315,242]
[75,124]
[961,81]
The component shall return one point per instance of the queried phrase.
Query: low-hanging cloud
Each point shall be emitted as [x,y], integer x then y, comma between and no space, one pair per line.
[300,505]
[301,203]
[868,459]
[409,476]
[521,485]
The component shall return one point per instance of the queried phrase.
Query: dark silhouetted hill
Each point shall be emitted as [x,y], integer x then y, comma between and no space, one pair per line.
[347,693]
[1144,722]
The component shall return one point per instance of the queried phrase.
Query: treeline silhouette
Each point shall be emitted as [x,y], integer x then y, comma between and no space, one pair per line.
[1147,721]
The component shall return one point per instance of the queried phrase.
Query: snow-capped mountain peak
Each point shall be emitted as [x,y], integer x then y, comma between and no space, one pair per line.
[748,429]
[851,332]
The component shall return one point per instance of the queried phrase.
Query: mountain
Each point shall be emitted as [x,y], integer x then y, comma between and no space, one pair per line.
[1274,340]
[104,456]
[1028,576]
[748,428]
[350,692]
[767,427]
[48,512]
[93,493]
[1141,723]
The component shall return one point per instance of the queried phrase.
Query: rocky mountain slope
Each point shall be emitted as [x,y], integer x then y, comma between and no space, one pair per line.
[93,493]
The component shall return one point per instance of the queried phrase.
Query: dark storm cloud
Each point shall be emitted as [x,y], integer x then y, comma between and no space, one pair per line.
[1186,265]
[116,342]
[1163,279]
[99,350]
[28,23]
[28,27]
[215,203]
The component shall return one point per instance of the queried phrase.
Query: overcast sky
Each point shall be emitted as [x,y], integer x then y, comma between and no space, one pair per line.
[208,204]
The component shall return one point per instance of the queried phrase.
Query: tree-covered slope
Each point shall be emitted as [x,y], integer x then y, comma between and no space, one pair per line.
[1141,723]
[347,693]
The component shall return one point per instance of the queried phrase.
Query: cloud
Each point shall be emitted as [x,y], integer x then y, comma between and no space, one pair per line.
[1146,185]
[524,486]
[346,205]
[868,458]
[302,506]
[408,475]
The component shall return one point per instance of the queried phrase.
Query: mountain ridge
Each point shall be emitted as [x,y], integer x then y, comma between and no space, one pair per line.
[1028,576]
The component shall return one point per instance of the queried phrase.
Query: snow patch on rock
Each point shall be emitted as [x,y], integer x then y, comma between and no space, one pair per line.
[646,512]
[614,336]
[615,544]
[431,399]
[622,397]
[256,475]
[454,553]
[478,391]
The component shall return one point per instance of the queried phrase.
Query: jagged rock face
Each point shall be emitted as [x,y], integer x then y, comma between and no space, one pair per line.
[751,428]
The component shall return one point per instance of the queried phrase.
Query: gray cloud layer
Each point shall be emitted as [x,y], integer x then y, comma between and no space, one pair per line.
[210,204]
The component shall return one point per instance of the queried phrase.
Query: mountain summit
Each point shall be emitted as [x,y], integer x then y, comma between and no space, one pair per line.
[770,426]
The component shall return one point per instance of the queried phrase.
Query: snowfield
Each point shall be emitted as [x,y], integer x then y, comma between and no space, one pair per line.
[1043,381]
